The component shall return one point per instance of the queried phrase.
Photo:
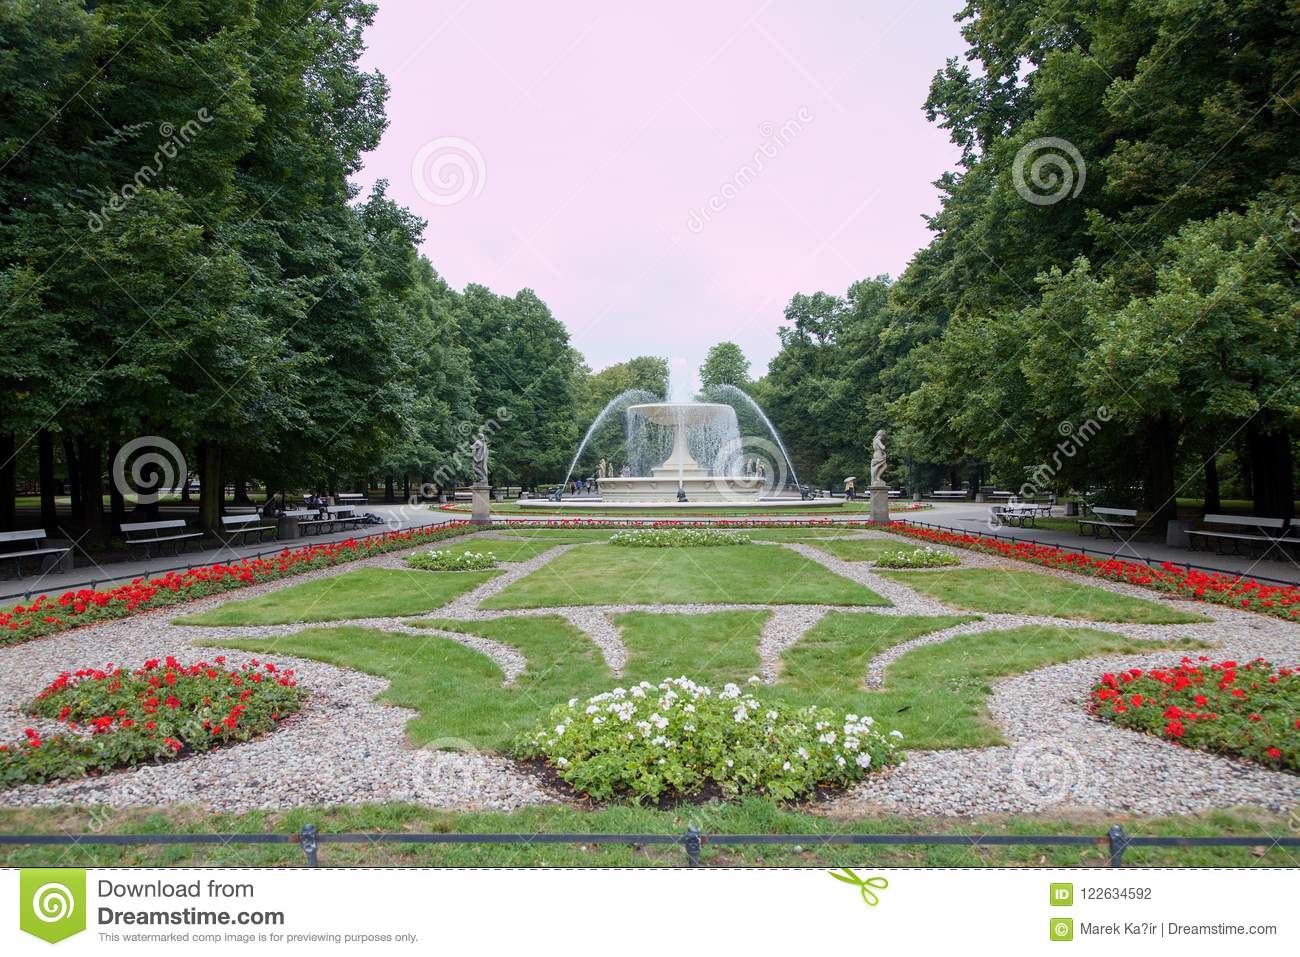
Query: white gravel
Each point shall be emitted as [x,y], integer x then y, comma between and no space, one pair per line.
[345,747]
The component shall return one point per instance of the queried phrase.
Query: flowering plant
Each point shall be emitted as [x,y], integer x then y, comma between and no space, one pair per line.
[164,710]
[88,606]
[1251,709]
[448,560]
[1282,601]
[678,538]
[926,557]
[678,739]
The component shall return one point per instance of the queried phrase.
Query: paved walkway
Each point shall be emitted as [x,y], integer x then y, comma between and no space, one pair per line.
[396,517]
[972,517]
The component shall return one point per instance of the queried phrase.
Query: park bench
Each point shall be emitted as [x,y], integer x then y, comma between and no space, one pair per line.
[239,527]
[350,498]
[1018,513]
[1243,531]
[34,539]
[310,521]
[948,494]
[342,517]
[150,535]
[1113,520]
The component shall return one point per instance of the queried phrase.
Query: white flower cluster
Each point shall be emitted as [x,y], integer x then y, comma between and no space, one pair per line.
[678,538]
[678,735]
[926,557]
[446,560]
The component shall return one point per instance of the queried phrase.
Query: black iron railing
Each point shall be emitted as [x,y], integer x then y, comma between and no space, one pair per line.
[309,839]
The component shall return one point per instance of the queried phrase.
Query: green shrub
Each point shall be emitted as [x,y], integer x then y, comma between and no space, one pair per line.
[165,710]
[680,739]
[446,560]
[918,558]
[678,538]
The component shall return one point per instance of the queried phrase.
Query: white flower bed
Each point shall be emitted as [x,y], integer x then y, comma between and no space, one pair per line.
[918,558]
[678,538]
[447,560]
[678,739]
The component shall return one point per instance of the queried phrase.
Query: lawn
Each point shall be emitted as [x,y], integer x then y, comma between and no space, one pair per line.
[755,816]
[864,549]
[730,574]
[1031,593]
[511,549]
[935,694]
[364,593]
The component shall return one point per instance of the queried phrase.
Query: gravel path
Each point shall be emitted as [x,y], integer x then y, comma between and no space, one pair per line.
[345,747]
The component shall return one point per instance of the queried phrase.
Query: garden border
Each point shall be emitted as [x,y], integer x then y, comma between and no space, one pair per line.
[1116,840]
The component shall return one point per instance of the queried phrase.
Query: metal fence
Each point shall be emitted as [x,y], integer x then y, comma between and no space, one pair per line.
[1154,562]
[309,839]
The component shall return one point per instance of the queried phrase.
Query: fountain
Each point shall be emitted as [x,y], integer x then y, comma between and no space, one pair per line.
[678,453]
[712,424]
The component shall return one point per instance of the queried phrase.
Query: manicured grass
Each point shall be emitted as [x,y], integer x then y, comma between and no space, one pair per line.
[936,694]
[864,549]
[755,816]
[832,657]
[710,649]
[556,536]
[459,693]
[364,593]
[511,549]
[731,574]
[1030,593]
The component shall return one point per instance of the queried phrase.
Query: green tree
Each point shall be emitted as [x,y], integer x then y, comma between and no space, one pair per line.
[725,364]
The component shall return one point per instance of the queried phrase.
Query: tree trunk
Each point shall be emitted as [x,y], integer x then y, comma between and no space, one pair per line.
[390,488]
[74,479]
[90,466]
[241,492]
[211,487]
[8,481]
[45,466]
[1272,470]
[116,501]
[1212,503]
[185,490]
[1159,488]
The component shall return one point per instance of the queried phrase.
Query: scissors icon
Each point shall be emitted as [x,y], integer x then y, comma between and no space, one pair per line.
[864,885]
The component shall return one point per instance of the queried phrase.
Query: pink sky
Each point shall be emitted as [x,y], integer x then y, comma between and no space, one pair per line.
[608,155]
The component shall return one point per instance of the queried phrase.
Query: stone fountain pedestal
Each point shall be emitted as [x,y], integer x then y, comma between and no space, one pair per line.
[879,503]
[482,512]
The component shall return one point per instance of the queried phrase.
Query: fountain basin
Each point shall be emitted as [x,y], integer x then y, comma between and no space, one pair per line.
[700,487]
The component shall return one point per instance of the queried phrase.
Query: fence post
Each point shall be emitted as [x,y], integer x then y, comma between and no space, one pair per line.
[307,840]
[1118,841]
[693,842]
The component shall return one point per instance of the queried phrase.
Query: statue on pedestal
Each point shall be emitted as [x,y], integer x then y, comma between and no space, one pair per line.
[480,454]
[878,460]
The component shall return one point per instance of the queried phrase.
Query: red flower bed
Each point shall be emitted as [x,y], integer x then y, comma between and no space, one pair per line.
[46,615]
[1252,710]
[159,712]
[1283,601]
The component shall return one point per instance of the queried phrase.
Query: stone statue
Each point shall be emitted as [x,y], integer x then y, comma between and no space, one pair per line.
[602,470]
[480,453]
[627,472]
[878,459]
